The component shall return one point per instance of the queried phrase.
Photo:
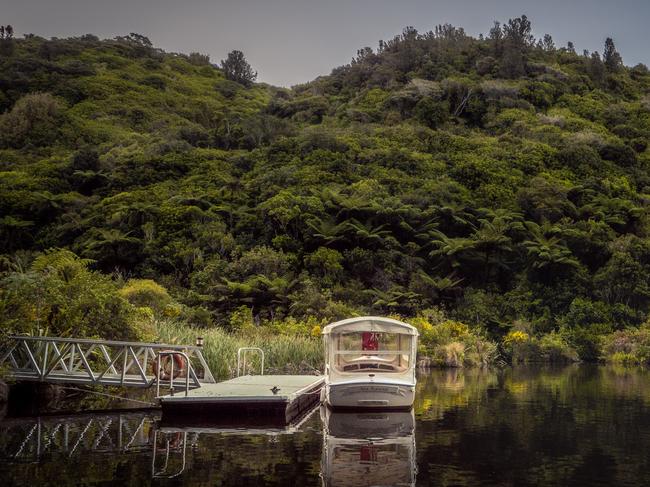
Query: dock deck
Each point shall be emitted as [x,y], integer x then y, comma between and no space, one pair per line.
[280,397]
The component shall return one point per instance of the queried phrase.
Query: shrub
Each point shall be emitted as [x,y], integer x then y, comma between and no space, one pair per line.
[451,343]
[34,119]
[154,81]
[552,347]
[325,262]
[60,296]
[432,113]
[631,345]
[555,349]
[145,292]
[292,327]
[198,59]
[619,153]
[241,319]
[451,354]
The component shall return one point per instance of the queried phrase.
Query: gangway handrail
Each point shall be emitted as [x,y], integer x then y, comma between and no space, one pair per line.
[241,359]
[98,341]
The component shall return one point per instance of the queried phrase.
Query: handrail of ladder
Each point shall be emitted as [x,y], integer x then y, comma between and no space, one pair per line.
[159,368]
[241,359]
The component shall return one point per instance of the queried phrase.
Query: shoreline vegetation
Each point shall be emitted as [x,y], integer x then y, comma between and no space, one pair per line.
[493,191]
[60,295]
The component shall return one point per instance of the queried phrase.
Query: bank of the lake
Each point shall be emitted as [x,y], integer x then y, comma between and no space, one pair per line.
[293,346]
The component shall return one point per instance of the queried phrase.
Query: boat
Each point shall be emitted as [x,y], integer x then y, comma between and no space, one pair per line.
[369,364]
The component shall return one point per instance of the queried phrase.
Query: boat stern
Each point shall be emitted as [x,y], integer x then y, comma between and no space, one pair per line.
[369,395]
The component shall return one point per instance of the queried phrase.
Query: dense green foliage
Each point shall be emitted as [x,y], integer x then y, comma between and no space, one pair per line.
[500,179]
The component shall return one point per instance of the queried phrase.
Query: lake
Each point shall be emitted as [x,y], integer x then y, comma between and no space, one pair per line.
[578,425]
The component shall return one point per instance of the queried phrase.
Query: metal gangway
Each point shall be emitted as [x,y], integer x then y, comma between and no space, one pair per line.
[103,362]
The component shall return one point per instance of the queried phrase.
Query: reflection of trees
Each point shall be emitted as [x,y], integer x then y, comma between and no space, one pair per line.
[442,389]
[527,426]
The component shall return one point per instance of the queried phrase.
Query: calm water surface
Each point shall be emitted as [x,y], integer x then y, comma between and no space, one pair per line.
[580,425]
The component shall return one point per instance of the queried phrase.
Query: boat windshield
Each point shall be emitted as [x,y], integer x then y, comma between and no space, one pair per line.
[371,351]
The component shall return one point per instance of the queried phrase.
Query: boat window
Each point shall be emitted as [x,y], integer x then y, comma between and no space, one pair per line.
[371,352]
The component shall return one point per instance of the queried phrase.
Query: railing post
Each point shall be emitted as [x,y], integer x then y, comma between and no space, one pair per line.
[44,367]
[71,365]
[124,350]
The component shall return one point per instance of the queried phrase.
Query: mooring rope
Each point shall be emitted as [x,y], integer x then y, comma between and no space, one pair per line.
[112,396]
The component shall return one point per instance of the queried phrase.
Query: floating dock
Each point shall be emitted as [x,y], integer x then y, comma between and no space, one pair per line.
[279,398]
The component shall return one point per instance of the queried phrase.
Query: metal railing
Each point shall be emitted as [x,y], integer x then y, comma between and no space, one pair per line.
[104,362]
[242,365]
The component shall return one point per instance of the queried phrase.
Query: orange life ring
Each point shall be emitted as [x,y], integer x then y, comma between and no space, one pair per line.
[162,366]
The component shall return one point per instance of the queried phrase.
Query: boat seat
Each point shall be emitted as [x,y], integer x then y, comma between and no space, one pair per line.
[369,366]
[372,358]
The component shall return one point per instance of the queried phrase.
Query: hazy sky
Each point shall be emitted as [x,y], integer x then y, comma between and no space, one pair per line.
[293,41]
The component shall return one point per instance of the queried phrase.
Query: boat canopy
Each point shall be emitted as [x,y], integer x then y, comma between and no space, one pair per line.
[375,324]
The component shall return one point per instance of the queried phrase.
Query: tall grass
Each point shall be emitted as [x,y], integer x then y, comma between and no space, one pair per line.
[630,346]
[284,354]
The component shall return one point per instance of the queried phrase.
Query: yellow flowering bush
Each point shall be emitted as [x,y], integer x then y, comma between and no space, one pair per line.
[552,347]
[516,336]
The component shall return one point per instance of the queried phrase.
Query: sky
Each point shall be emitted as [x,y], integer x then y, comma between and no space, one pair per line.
[293,41]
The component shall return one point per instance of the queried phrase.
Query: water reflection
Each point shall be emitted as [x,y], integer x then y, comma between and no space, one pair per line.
[364,449]
[30,440]
[579,425]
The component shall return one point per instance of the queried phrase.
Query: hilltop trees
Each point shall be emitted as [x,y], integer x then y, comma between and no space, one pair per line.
[236,68]
[517,38]
[6,39]
[612,59]
[6,32]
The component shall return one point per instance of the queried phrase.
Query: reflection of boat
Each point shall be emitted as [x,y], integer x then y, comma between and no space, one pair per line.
[364,449]
[369,363]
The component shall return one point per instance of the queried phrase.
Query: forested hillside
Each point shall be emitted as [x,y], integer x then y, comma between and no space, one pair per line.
[503,181]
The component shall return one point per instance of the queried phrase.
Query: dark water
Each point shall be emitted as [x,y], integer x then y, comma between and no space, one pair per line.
[580,425]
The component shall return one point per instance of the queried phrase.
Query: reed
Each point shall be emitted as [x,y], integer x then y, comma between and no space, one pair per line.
[284,354]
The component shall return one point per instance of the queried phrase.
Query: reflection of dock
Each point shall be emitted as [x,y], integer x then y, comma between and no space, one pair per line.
[169,447]
[27,439]
[276,397]
[174,436]
[365,449]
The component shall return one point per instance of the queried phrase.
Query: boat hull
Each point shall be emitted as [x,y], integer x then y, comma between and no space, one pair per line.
[369,395]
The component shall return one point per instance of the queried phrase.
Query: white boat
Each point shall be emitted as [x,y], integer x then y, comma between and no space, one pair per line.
[369,363]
